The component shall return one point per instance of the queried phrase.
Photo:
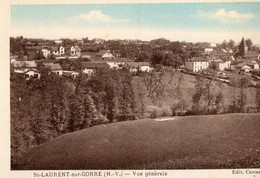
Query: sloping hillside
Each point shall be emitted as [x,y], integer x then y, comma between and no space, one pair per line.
[213,141]
[168,95]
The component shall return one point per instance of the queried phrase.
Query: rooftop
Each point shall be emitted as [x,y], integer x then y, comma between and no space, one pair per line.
[92,65]
[53,66]
[24,64]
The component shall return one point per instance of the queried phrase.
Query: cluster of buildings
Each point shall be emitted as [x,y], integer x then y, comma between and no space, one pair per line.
[246,61]
[69,67]
[221,60]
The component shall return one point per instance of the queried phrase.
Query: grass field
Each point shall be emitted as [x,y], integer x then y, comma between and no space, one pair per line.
[213,141]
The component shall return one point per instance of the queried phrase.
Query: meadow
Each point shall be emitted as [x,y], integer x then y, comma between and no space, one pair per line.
[189,142]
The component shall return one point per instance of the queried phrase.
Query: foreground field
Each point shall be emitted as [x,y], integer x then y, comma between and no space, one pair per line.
[215,141]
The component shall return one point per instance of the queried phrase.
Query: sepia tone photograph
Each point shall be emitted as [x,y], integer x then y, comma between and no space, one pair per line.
[136,86]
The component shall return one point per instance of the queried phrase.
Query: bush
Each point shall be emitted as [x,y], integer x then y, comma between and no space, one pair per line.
[154,114]
[166,112]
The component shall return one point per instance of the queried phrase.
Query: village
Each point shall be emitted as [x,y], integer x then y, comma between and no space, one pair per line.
[135,86]
[62,59]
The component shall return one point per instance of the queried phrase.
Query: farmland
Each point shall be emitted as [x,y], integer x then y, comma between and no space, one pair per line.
[212,141]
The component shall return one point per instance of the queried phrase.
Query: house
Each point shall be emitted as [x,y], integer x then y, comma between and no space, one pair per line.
[196,64]
[138,66]
[208,50]
[46,51]
[248,66]
[13,58]
[105,54]
[27,68]
[253,65]
[55,50]
[213,45]
[98,41]
[70,74]
[75,51]
[70,66]
[91,67]
[58,41]
[222,65]
[55,68]
[244,67]
[87,55]
[115,64]
[61,50]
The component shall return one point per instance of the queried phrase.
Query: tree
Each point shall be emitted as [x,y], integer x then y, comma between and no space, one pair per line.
[240,84]
[224,44]
[200,91]
[249,43]
[158,57]
[242,47]
[231,43]
[258,97]
[179,101]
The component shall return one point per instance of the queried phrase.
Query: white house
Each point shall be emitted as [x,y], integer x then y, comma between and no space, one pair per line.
[46,51]
[75,51]
[115,64]
[222,65]
[207,50]
[197,64]
[138,66]
[27,68]
[91,67]
[62,50]
[105,54]
[70,74]
[248,66]
[253,65]
[213,45]
[55,68]
[58,41]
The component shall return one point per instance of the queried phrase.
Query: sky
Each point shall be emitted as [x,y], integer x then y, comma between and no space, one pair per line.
[191,22]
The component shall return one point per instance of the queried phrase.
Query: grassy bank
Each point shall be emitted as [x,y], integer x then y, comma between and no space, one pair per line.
[212,141]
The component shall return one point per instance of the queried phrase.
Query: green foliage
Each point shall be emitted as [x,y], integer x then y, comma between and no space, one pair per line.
[240,84]
[198,97]
[17,45]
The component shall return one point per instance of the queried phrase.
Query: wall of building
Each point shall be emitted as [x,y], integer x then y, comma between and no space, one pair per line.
[189,66]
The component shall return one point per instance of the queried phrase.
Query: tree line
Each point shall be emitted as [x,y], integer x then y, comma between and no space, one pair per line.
[42,109]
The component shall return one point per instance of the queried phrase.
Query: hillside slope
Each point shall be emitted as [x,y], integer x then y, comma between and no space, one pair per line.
[215,141]
[168,97]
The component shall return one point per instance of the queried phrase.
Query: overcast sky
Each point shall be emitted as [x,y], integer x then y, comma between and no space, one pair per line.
[212,22]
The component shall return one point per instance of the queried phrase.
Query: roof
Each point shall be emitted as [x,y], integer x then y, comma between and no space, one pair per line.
[240,65]
[24,64]
[137,64]
[218,61]
[77,48]
[198,59]
[251,63]
[53,66]
[14,57]
[92,65]
[102,52]
[45,61]
[116,59]
[54,48]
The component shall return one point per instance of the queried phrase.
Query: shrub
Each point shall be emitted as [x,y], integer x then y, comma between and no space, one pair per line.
[154,114]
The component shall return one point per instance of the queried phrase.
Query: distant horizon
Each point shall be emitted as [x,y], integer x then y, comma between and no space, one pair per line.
[191,22]
[53,39]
